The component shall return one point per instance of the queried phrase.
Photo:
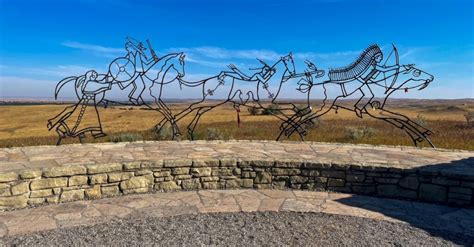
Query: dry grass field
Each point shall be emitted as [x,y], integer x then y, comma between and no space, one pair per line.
[25,125]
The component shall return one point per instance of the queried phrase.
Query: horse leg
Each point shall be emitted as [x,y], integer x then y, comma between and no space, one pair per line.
[325,108]
[403,123]
[299,114]
[162,108]
[159,126]
[171,119]
[414,124]
[295,124]
[192,126]
[420,136]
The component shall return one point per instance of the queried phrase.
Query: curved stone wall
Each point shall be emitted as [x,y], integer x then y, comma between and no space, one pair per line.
[72,181]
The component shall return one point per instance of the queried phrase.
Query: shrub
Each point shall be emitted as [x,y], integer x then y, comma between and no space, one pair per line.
[214,134]
[357,133]
[271,110]
[302,110]
[314,122]
[164,133]
[253,111]
[126,137]
[469,118]
[421,120]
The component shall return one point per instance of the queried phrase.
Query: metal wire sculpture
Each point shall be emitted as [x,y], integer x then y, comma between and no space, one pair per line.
[151,77]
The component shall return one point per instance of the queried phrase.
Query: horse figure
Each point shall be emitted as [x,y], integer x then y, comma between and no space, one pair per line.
[411,78]
[92,88]
[164,71]
[232,84]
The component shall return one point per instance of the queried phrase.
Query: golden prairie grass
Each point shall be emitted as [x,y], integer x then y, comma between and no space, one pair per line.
[26,125]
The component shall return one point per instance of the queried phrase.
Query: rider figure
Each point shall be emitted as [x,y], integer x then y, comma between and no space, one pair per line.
[262,76]
[137,56]
[369,79]
[264,73]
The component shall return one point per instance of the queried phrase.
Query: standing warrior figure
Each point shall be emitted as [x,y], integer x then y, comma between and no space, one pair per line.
[360,70]
[70,122]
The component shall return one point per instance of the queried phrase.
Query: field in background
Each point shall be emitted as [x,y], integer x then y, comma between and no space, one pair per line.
[25,125]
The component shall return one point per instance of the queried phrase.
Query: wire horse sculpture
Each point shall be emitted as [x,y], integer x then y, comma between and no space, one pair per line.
[144,76]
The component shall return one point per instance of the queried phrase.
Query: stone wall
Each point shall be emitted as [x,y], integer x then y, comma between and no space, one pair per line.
[78,182]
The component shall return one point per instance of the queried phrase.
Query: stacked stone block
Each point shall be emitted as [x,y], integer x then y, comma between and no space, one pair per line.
[78,182]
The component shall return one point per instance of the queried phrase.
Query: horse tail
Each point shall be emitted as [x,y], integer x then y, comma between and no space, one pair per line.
[61,84]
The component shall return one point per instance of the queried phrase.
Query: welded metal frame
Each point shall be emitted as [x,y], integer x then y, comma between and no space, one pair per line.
[136,69]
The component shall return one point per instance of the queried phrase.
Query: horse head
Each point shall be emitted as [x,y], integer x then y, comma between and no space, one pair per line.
[180,68]
[178,64]
[289,64]
[414,78]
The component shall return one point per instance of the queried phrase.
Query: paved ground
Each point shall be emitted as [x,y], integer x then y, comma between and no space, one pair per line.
[245,229]
[15,159]
[455,225]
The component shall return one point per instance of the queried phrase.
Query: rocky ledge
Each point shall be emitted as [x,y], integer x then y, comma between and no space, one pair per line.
[38,175]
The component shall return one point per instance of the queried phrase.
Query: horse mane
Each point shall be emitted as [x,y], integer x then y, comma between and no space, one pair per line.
[356,68]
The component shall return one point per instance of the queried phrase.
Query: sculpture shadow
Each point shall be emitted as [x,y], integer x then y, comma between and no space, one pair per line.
[452,223]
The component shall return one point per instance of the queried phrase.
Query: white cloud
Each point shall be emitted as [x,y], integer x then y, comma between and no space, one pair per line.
[223,53]
[207,63]
[96,49]
[20,87]
[56,71]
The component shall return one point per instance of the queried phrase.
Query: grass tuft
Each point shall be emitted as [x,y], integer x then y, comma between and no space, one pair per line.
[126,137]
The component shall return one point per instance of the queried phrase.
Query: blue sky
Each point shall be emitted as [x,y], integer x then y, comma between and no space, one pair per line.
[42,42]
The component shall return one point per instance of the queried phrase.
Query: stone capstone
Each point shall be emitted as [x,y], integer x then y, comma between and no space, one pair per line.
[63,171]
[8,177]
[104,168]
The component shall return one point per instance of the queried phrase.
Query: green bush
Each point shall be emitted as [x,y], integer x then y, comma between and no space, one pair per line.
[357,133]
[165,133]
[253,111]
[314,122]
[421,120]
[271,110]
[126,137]
[302,110]
[214,134]
[469,118]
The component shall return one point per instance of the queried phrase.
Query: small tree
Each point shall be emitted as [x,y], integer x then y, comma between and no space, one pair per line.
[469,119]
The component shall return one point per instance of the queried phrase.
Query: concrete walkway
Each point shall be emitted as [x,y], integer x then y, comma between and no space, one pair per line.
[428,217]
